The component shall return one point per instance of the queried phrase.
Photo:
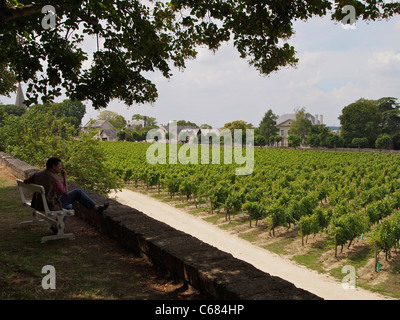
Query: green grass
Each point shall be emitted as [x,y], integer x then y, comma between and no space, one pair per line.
[232,224]
[183,205]
[310,260]
[81,271]
[252,235]
[196,210]
[214,218]
[278,247]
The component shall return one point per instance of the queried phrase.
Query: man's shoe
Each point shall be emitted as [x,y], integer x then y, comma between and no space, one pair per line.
[102,208]
[54,229]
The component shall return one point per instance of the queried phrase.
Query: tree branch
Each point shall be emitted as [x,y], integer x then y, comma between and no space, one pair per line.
[8,14]
[3,5]
[93,21]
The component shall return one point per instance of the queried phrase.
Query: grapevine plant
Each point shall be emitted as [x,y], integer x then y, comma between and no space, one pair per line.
[345,194]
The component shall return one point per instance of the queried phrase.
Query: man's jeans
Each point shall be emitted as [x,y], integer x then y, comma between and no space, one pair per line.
[77,195]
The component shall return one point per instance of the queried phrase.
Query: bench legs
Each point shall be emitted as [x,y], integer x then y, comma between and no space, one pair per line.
[34,221]
[57,220]
[52,217]
[60,234]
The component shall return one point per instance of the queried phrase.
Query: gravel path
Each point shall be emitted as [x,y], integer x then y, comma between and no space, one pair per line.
[321,285]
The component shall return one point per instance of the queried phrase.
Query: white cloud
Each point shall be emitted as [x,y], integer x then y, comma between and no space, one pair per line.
[385,60]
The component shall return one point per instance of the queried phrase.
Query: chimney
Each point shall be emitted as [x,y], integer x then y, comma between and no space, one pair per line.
[321,121]
[316,120]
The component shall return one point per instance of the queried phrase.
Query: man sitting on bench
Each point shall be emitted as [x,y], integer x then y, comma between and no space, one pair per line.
[57,194]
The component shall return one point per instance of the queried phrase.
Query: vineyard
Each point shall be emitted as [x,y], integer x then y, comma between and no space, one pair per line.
[345,195]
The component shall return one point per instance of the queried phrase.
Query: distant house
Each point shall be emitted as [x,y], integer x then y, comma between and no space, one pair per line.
[163,128]
[183,132]
[107,135]
[187,133]
[209,133]
[284,124]
[106,131]
[100,124]
[134,123]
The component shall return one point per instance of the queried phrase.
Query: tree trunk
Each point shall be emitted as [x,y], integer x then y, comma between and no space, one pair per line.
[350,244]
[335,247]
[302,236]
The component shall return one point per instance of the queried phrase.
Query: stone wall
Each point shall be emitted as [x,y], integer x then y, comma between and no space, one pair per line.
[16,167]
[206,268]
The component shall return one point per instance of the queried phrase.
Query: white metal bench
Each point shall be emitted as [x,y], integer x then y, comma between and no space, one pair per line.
[51,217]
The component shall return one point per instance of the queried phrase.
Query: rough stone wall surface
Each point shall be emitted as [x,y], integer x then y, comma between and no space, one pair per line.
[16,167]
[206,268]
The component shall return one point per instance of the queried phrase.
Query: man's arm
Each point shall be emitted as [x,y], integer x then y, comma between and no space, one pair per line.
[30,179]
[61,188]
[65,183]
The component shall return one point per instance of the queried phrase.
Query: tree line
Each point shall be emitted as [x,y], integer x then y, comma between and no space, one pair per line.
[48,130]
[363,124]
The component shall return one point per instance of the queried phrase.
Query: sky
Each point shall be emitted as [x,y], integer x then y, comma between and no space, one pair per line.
[337,66]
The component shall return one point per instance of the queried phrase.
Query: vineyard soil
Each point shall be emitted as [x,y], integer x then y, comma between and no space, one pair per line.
[285,257]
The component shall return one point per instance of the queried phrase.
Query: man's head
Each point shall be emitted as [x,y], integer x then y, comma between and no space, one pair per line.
[54,164]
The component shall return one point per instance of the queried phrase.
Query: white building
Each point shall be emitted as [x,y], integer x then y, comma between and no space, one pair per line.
[284,124]
[131,124]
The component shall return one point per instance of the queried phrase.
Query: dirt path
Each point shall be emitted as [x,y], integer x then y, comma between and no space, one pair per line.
[321,285]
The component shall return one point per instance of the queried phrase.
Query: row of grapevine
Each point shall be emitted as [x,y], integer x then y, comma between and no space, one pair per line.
[345,194]
[386,236]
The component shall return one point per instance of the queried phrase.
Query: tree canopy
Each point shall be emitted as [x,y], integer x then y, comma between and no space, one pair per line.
[72,111]
[149,121]
[302,125]
[267,126]
[114,118]
[370,118]
[138,37]
[7,80]
[41,133]
[390,121]
[238,125]
[13,109]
